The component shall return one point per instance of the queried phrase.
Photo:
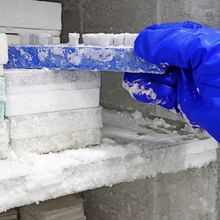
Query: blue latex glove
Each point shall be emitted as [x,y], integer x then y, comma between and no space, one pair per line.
[192,82]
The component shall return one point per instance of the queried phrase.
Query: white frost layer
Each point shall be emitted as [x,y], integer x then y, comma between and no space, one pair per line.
[52,132]
[135,126]
[58,142]
[118,39]
[2,89]
[106,40]
[4,132]
[20,31]
[130,39]
[4,139]
[15,39]
[1,70]
[100,39]
[130,150]
[74,39]
[67,208]
[27,39]
[3,48]
[29,126]
[43,39]
[43,177]
[35,81]
[51,101]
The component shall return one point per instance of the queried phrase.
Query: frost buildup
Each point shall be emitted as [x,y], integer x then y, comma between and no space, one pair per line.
[74,39]
[110,40]
[51,111]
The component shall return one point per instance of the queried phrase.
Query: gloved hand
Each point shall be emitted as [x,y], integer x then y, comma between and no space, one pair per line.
[191,83]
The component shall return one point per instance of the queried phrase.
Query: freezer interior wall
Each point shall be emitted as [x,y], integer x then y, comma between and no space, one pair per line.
[131,16]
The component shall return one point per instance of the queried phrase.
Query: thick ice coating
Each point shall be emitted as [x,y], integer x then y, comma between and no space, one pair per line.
[74,39]
[106,40]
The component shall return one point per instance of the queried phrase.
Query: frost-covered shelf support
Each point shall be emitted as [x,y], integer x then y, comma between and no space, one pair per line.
[76,170]
[115,59]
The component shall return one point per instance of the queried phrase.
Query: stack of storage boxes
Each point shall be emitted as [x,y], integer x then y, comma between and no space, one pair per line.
[49,111]
[44,111]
